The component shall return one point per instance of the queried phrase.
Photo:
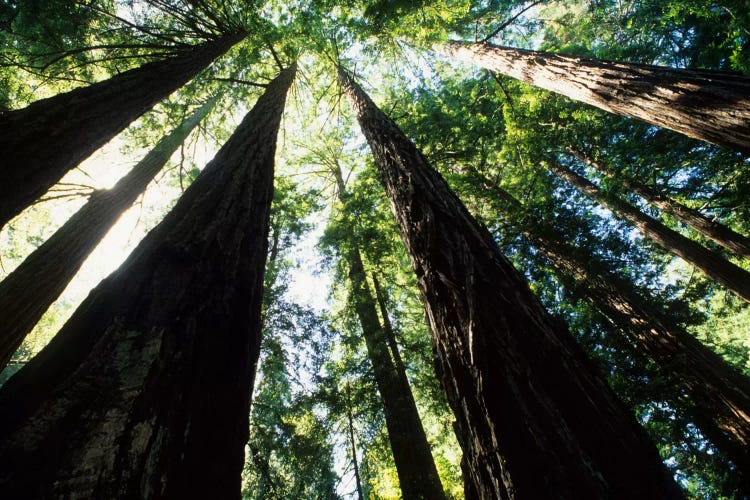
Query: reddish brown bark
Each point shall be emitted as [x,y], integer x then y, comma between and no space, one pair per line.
[28,291]
[533,418]
[712,106]
[711,263]
[145,392]
[43,141]
[706,226]
[718,395]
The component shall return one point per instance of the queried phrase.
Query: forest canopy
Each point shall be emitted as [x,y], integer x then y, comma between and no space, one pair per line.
[374,249]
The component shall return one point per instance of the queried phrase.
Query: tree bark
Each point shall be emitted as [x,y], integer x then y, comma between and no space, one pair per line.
[711,263]
[417,474]
[390,335]
[533,418]
[712,106]
[709,228]
[43,141]
[350,420]
[27,292]
[145,392]
[718,396]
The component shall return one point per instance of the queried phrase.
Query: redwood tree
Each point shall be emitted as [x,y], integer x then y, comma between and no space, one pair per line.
[28,291]
[706,226]
[718,395]
[145,391]
[42,142]
[713,264]
[532,416]
[417,474]
[713,106]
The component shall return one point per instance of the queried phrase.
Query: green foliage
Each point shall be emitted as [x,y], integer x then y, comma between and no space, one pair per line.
[678,33]
[485,128]
[474,127]
[289,454]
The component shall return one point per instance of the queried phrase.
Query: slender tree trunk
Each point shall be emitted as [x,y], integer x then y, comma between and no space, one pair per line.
[416,469]
[712,106]
[709,228]
[43,141]
[145,392]
[350,420]
[390,335]
[718,395]
[27,292]
[711,263]
[533,418]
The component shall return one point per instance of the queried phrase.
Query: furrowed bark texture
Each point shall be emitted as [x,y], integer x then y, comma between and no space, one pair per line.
[43,141]
[712,106]
[532,417]
[711,263]
[706,226]
[145,392]
[716,396]
[417,474]
[27,292]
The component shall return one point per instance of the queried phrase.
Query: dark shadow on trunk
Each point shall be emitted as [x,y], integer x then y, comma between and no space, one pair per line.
[533,418]
[27,292]
[145,392]
[43,141]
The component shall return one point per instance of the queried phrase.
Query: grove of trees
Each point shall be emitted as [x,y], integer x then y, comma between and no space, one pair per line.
[374,249]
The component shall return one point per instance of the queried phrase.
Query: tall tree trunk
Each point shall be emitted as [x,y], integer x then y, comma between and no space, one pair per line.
[719,396]
[350,421]
[417,474]
[533,418]
[390,335]
[145,392]
[27,292]
[709,228]
[43,141]
[711,263]
[711,106]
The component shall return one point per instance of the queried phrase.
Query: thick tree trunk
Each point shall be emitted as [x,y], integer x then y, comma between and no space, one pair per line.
[43,141]
[533,418]
[711,106]
[709,228]
[718,396]
[27,292]
[145,392]
[417,474]
[711,263]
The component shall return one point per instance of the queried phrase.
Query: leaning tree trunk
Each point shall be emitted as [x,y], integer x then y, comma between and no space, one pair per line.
[145,392]
[43,141]
[711,263]
[706,226]
[711,106]
[532,416]
[27,292]
[417,474]
[718,395]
